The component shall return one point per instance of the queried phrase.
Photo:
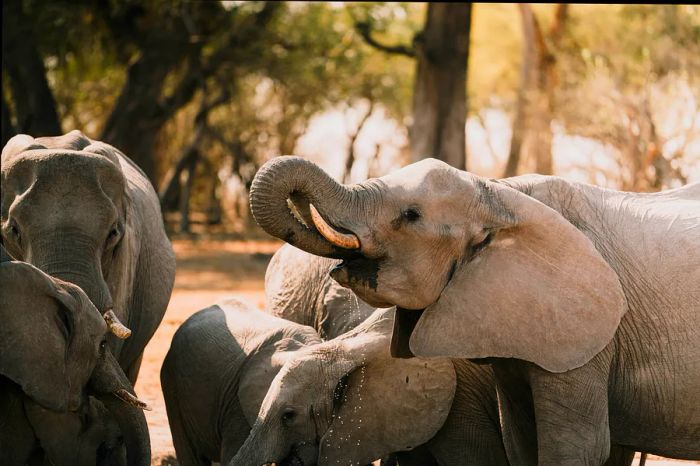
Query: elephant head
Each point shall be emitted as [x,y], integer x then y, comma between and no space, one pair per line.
[53,345]
[347,401]
[478,269]
[65,210]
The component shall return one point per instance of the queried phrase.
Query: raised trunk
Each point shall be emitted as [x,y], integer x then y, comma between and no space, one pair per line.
[292,179]
[439,96]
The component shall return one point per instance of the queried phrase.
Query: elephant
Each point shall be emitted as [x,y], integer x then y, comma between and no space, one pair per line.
[53,352]
[583,300]
[219,366]
[347,401]
[298,288]
[81,211]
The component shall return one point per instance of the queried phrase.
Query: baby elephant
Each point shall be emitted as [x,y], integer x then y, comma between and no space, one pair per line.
[347,401]
[218,369]
[52,354]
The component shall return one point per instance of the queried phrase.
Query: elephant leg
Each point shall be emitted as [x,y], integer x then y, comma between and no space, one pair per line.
[132,372]
[517,414]
[571,410]
[620,456]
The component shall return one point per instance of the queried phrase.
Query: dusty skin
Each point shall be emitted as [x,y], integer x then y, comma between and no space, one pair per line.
[208,270]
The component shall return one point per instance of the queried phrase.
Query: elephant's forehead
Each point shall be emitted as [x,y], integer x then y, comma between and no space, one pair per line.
[426,175]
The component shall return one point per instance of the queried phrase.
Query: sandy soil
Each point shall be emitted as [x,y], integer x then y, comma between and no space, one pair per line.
[208,271]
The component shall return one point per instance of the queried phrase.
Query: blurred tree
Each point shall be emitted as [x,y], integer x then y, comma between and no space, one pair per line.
[631,83]
[532,124]
[34,105]
[441,51]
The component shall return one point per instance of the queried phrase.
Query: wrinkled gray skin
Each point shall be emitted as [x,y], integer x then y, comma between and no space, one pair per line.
[584,299]
[81,211]
[299,288]
[53,354]
[350,397]
[219,366]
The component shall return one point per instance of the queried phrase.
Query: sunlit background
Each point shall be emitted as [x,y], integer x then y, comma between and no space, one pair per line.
[200,94]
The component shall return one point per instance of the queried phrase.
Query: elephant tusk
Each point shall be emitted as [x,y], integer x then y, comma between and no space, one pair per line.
[127,397]
[343,240]
[116,327]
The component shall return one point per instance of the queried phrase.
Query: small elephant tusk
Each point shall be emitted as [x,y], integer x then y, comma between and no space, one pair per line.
[127,397]
[116,327]
[343,240]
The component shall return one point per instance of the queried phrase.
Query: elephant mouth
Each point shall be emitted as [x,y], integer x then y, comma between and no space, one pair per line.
[405,321]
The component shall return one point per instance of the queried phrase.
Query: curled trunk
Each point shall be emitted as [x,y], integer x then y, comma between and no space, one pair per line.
[287,183]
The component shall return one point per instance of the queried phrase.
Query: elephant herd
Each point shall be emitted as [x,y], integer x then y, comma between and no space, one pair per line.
[427,317]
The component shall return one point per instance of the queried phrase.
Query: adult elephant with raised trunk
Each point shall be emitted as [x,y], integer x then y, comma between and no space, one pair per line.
[41,382]
[81,211]
[584,300]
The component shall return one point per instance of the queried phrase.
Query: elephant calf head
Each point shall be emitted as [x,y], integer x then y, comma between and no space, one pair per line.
[346,401]
[53,344]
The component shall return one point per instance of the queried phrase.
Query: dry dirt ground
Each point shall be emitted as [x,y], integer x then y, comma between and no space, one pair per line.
[208,270]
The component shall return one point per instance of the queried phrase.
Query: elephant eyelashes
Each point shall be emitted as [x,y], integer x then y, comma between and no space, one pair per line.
[410,215]
[114,235]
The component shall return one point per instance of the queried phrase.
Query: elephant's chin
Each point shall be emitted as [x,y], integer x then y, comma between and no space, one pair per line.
[361,276]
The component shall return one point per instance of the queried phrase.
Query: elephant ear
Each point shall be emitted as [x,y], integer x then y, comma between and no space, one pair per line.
[265,343]
[539,291]
[37,323]
[385,404]
[259,371]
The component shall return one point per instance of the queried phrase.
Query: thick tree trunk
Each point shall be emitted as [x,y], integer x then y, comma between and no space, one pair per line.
[34,103]
[532,132]
[439,97]
[139,114]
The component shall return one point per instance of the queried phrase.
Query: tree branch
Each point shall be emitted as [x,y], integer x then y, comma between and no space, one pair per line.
[364,29]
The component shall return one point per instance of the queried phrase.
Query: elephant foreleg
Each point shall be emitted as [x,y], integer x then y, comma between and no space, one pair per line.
[571,412]
[620,456]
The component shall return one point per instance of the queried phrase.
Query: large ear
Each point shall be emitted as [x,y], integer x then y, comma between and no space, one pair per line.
[388,404]
[259,371]
[539,291]
[37,320]
[265,343]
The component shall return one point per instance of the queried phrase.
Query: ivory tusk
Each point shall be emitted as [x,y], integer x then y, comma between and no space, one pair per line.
[115,326]
[127,397]
[342,240]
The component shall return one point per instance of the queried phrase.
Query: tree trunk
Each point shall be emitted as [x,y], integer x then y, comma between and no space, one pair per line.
[8,129]
[186,194]
[532,132]
[439,96]
[350,160]
[139,115]
[35,106]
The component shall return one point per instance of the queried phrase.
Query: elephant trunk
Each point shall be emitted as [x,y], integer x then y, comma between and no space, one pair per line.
[287,183]
[109,385]
[264,446]
[78,263]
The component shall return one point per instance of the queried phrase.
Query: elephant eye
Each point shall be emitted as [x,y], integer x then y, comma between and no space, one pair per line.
[288,415]
[114,234]
[411,214]
[103,345]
